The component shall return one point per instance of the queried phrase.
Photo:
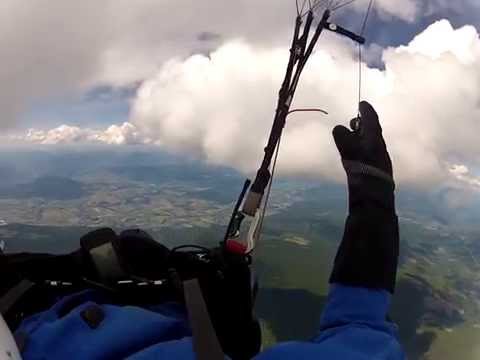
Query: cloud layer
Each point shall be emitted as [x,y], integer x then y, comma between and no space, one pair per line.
[123,134]
[220,107]
[68,47]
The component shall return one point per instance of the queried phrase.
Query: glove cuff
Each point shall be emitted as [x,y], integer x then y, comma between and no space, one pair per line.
[368,254]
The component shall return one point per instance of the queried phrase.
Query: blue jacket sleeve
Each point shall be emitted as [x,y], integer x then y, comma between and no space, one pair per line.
[353,326]
[354,305]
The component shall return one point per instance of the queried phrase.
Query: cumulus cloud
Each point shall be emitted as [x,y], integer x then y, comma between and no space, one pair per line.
[407,10]
[123,134]
[464,175]
[220,107]
[459,170]
[68,47]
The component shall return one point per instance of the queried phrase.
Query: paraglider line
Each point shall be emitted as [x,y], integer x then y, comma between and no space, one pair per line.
[362,32]
[340,5]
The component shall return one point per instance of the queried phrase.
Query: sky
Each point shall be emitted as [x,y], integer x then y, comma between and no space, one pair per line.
[201,79]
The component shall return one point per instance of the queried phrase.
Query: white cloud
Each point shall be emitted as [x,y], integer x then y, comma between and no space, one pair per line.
[123,134]
[69,47]
[462,173]
[459,170]
[407,10]
[441,40]
[221,107]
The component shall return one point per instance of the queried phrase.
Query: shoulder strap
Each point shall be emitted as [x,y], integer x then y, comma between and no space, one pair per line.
[8,300]
[205,341]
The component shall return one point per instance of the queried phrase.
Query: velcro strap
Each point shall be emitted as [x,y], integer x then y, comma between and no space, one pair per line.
[99,246]
[359,168]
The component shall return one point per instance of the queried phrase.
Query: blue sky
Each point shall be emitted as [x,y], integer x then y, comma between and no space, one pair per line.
[98,107]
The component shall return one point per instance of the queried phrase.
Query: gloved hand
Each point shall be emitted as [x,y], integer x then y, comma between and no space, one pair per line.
[368,254]
[366,160]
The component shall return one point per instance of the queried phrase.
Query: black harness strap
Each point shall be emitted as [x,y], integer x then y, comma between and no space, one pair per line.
[13,295]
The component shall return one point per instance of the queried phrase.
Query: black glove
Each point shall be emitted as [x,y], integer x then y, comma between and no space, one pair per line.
[368,254]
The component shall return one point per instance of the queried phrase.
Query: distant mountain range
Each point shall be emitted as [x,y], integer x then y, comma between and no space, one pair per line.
[46,187]
[57,174]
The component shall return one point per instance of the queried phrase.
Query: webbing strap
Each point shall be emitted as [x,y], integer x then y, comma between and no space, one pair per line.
[13,295]
[357,167]
[205,341]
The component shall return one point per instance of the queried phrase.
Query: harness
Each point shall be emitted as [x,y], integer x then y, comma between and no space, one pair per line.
[215,286]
